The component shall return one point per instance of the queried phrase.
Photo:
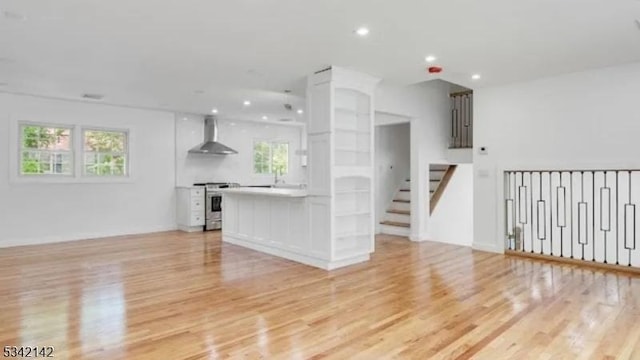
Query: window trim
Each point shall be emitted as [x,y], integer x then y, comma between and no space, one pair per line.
[17,168]
[126,152]
[271,142]
[15,147]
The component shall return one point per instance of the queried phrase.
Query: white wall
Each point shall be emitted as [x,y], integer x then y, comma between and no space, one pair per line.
[392,162]
[46,212]
[427,104]
[452,220]
[239,135]
[580,120]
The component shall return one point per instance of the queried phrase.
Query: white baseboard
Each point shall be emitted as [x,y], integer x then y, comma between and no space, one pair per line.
[190,228]
[346,262]
[294,256]
[492,248]
[450,242]
[419,237]
[395,230]
[82,236]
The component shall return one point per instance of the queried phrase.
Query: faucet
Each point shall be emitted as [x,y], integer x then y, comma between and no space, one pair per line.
[276,179]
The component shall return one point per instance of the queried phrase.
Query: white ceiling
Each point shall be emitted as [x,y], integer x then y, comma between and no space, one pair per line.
[158,53]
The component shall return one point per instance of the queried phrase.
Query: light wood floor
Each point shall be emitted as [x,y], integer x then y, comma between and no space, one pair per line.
[187,296]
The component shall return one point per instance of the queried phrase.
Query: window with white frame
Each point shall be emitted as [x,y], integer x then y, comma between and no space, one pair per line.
[46,150]
[105,152]
[270,157]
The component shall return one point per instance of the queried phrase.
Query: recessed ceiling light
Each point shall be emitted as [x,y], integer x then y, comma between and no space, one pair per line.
[246,103]
[430,59]
[300,111]
[214,111]
[475,77]
[265,117]
[362,31]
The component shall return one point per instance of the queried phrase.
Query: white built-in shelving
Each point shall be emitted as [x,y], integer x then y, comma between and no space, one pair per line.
[341,161]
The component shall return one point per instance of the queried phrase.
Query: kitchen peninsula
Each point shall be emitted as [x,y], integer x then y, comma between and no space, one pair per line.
[331,223]
[270,220]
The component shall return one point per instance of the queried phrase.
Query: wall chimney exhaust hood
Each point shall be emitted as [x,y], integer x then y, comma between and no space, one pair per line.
[211,146]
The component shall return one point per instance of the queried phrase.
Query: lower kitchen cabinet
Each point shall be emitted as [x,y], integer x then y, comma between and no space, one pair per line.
[190,208]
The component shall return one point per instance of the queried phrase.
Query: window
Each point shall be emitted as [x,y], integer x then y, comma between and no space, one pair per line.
[45,150]
[269,157]
[105,152]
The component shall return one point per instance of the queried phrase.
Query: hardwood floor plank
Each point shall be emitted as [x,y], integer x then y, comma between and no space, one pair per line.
[190,296]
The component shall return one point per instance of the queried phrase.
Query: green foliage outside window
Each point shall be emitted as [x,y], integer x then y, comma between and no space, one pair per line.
[105,153]
[49,150]
[45,150]
[270,157]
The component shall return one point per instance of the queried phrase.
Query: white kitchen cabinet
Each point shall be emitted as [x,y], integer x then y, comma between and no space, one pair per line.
[331,224]
[191,207]
[273,221]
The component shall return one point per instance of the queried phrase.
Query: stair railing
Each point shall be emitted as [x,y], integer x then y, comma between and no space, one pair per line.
[461,120]
[585,215]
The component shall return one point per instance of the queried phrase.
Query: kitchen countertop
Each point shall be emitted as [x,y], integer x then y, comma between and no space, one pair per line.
[266,191]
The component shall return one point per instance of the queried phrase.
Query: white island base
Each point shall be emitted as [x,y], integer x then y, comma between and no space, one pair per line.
[276,222]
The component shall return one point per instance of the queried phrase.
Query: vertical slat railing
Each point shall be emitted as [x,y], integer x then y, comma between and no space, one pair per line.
[461,120]
[587,215]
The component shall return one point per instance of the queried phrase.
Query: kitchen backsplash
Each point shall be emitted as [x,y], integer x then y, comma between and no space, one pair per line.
[239,135]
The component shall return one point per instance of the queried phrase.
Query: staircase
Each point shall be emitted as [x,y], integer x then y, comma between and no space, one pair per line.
[397,219]
[439,177]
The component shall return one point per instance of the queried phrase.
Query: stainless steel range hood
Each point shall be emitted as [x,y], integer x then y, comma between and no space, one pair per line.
[211,146]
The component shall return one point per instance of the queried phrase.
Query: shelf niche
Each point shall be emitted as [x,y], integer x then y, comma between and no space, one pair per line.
[341,168]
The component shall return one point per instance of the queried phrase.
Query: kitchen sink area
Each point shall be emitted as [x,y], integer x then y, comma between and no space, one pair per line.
[279,186]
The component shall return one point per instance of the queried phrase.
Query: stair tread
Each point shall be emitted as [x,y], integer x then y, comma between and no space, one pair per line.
[395,223]
[403,212]
[402,201]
